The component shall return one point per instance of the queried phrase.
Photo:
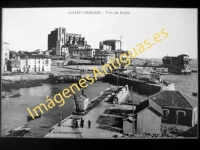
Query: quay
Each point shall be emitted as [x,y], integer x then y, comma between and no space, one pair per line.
[140,86]
[66,129]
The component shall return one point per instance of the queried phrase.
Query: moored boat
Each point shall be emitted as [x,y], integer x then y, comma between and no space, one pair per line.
[20,131]
[13,95]
[63,79]
[30,118]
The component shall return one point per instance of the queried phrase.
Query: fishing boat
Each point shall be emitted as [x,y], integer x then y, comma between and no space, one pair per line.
[10,96]
[20,131]
[63,79]
[29,117]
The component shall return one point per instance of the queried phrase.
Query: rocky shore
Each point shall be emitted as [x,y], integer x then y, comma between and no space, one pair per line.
[9,85]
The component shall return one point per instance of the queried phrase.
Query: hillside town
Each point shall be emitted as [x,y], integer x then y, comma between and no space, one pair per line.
[63,48]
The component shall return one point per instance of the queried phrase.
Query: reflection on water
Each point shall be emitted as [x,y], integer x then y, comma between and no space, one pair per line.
[14,110]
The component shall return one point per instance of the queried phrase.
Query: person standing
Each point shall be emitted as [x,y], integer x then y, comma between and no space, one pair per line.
[76,124]
[82,123]
[89,123]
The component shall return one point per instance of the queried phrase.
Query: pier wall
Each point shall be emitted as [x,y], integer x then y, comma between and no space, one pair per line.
[25,77]
[140,87]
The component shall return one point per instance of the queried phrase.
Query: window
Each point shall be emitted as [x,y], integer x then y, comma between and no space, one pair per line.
[178,111]
[165,112]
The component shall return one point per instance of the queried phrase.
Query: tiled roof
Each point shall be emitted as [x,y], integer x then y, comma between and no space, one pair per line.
[34,56]
[106,52]
[81,97]
[112,40]
[87,49]
[150,105]
[119,51]
[190,99]
[88,45]
[76,45]
[173,99]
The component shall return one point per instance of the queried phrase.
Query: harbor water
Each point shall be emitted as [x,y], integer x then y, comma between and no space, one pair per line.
[14,110]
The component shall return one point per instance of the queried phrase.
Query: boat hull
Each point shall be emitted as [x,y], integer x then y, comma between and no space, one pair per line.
[10,96]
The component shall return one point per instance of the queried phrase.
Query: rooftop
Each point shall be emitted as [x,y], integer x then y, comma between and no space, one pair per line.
[111,40]
[119,51]
[173,99]
[76,45]
[149,104]
[34,56]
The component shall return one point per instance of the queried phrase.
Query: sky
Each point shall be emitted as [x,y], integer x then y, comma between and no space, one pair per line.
[28,28]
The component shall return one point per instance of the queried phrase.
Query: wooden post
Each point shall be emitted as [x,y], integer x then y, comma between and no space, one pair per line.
[117,78]
[133,113]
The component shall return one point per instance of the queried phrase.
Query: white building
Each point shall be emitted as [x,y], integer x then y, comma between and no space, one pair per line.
[35,63]
[110,45]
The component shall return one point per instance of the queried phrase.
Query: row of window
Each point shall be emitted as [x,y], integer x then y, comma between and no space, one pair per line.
[166,112]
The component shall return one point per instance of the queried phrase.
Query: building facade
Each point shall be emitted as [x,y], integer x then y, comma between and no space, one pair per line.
[62,43]
[5,56]
[104,57]
[178,108]
[110,45]
[35,63]
[14,65]
[87,53]
[56,40]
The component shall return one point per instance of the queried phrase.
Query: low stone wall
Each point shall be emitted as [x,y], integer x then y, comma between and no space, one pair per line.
[25,77]
[85,67]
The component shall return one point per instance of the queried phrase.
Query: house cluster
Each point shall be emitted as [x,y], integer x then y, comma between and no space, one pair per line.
[169,107]
[24,61]
[75,46]
[165,107]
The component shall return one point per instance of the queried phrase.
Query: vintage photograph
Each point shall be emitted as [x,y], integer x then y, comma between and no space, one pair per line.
[99,73]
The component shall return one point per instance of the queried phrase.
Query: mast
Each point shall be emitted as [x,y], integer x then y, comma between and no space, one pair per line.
[61,115]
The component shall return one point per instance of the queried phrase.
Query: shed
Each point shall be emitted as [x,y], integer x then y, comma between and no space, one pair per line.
[178,108]
[147,119]
[128,125]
